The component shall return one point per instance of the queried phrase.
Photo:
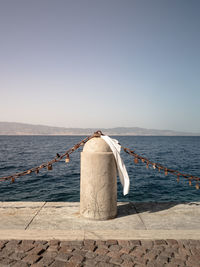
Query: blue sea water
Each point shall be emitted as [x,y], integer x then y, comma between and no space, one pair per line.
[19,153]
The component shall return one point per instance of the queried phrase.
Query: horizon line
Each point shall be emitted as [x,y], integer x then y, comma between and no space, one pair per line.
[99,128]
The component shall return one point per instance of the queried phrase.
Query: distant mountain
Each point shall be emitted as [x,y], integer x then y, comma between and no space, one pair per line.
[14,128]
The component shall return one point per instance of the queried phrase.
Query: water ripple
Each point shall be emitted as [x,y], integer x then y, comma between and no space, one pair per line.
[19,153]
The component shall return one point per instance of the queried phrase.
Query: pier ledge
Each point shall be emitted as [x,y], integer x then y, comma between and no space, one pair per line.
[135,220]
[143,234]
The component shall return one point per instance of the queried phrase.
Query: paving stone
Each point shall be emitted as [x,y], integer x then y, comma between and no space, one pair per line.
[25,242]
[116,261]
[53,248]
[114,254]
[90,247]
[59,264]
[127,258]
[193,259]
[194,251]
[76,243]
[192,241]
[100,242]
[54,242]
[20,264]
[102,258]
[64,243]
[6,262]
[66,249]
[125,250]
[90,263]
[41,242]
[38,264]
[79,252]
[149,253]
[115,248]
[160,242]
[127,264]
[90,255]
[184,253]
[1,257]
[69,264]
[154,264]
[147,244]
[5,253]
[12,244]
[165,254]
[103,264]
[37,250]
[172,250]
[138,252]
[103,246]
[32,258]
[44,246]
[63,256]
[88,242]
[24,247]
[135,243]
[162,261]
[183,243]
[46,261]
[101,251]
[193,263]
[123,243]
[177,261]
[17,256]
[76,259]
[172,242]
[140,260]
[3,243]
[111,242]
[50,254]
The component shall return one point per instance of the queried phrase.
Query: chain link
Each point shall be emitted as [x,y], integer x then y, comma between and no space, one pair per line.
[49,164]
[137,158]
[160,167]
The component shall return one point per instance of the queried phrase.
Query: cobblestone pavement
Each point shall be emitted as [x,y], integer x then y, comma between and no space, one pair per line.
[151,253]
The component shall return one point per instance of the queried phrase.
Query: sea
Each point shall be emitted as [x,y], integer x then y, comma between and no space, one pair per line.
[19,153]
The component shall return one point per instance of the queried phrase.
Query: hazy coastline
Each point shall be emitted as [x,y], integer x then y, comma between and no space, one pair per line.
[14,128]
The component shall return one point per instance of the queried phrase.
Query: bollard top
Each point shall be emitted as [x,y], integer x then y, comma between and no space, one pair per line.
[96,145]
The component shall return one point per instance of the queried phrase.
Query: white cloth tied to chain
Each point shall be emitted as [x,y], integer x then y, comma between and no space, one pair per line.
[123,175]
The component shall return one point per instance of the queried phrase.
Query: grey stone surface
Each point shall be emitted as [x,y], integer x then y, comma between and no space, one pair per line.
[61,220]
[18,214]
[169,216]
[66,216]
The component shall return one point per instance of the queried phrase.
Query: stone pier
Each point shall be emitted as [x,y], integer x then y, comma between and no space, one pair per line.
[62,220]
[143,234]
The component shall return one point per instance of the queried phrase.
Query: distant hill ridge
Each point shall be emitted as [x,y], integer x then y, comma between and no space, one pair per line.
[14,128]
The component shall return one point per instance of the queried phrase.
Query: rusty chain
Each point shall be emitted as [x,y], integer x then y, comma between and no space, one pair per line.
[49,164]
[160,167]
[136,156]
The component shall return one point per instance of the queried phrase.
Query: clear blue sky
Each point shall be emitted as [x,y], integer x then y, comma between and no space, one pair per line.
[101,63]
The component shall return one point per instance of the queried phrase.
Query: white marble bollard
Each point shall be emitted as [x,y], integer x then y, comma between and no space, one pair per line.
[98,189]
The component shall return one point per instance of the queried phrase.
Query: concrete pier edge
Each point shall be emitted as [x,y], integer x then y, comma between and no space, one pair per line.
[98,235]
[62,221]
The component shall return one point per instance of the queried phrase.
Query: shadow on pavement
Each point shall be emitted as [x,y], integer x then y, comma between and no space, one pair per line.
[130,208]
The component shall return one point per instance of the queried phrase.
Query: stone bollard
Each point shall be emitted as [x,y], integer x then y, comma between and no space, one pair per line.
[98,189]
